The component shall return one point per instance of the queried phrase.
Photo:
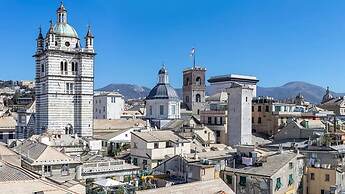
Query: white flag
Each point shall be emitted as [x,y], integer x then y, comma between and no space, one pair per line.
[192,52]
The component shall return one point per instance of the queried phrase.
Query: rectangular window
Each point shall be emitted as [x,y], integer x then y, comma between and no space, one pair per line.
[173,111]
[144,162]
[259,108]
[327,177]
[161,110]
[69,88]
[47,170]
[150,110]
[135,161]
[209,120]
[278,184]
[322,191]
[64,170]
[1,136]
[218,134]
[290,180]
[243,181]
[10,136]
[312,176]
[229,179]
[155,145]
[259,120]
[252,108]
[267,109]
[290,165]
[221,120]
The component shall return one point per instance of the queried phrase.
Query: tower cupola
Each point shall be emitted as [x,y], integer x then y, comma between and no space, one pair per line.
[163,77]
[61,14]
[89,38]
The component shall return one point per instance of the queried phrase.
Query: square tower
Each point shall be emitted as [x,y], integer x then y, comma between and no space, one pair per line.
[239,114]
[64,80]
[194,89]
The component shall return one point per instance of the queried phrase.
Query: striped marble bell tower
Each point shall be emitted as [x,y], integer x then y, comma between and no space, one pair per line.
[64,79]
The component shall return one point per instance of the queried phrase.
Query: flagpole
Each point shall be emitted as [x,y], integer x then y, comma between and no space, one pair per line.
[194,59]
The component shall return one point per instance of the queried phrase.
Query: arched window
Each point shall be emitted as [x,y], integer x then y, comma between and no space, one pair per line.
[76,67]
[61,67]
[197,98]
[65,67]
[72,66]
[186,82]
[198,81]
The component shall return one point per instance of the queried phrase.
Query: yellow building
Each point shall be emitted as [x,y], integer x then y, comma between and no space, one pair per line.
[323,180]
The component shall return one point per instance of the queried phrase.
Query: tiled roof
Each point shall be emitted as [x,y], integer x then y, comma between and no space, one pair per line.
[116,124]
[198,187]
[156,136]
[12,174]
[4,151]
[38,153]
[273,164]
[111,135]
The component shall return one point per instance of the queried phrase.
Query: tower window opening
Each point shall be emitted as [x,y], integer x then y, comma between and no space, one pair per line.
[65,67]
[61,67]
[197,98]
[198,81]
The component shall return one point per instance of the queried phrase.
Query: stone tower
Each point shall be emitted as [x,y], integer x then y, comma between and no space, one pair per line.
[194,89]
[64,80]
[239,114]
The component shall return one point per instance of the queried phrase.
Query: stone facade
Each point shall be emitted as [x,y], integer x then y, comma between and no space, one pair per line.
[239,115]
[194,89]
[64,80]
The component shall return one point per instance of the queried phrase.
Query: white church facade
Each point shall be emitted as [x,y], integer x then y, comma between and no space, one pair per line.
[64,80]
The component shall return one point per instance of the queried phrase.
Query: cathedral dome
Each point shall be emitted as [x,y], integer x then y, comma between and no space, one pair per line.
[327,97]
[163,91]
[64,29]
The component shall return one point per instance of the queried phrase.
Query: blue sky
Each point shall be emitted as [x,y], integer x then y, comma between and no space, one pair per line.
[277,41]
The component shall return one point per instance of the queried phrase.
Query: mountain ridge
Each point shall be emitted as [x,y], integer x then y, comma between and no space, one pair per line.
[311,92]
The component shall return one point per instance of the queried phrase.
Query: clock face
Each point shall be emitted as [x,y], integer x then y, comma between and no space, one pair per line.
[67,44]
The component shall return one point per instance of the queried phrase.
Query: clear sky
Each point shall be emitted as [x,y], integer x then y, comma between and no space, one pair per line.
[276,40]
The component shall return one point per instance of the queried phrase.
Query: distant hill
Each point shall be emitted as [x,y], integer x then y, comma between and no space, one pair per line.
[129,91]
[312,93]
